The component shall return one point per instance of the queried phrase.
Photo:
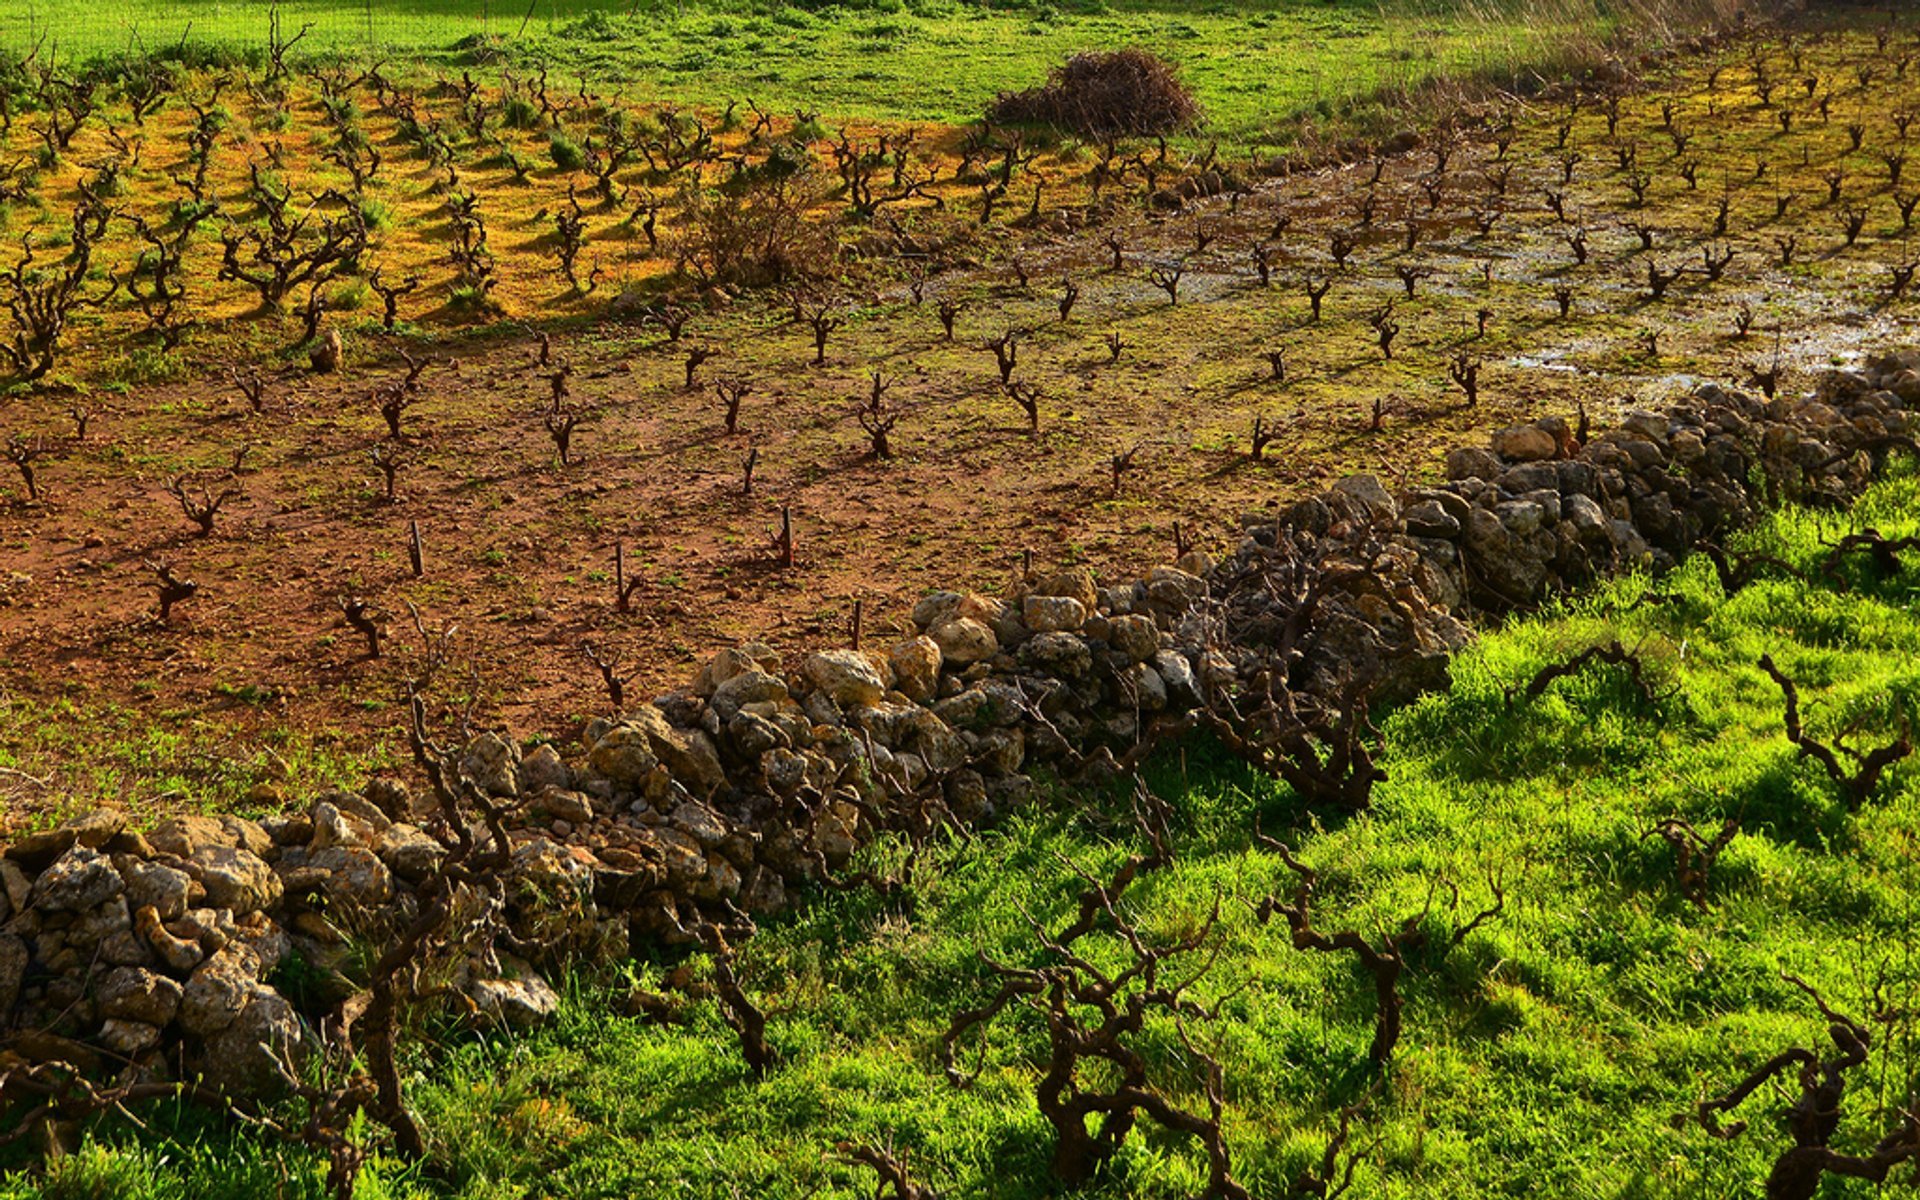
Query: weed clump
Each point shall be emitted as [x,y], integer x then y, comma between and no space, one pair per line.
[1104,94]
[565,152]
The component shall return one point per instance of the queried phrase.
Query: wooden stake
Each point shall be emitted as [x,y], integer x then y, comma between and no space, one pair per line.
[416,551]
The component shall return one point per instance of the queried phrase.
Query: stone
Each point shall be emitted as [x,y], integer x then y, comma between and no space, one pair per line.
[1502,560]
[1053,614]
[1651,426]
[250,1055]
[335,826]
[624,755]
[181,836]
[128,1038]
[17,884]
[1370,493]
[1060,655]
[325,355]
[220,988]
[1520,516]
[1137,637]
[1074,583]
[935,742]
[212,928]
[845,676]
[1471,462]
[108,919]
[990,611]
[964,641]
[409,852]
[934,608]
[753,656]
[832,832]
[490,761]
[1141,686]
[916,665]
[80,879]
[1524,443]
[1177,675]
[680,857]
[1428,519]
[234,878]
[748,687]
[966,794]
[522,1002]
[688,753]
[95,829]
[700,823]
[38,848]
[13,971]
[1583,514]
[136,994]
[560,804]
[1530,477]
[167,889]
[355,876]
[1174,590]
[540,769]
[179,954]
[765,892]
[751,736]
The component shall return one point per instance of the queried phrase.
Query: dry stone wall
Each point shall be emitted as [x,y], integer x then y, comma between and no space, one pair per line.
[210,948]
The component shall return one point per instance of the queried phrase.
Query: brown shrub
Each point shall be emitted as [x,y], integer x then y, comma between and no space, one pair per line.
[755,233]
[1101,93]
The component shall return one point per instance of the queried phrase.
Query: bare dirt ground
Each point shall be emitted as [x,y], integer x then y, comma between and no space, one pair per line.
[519,549]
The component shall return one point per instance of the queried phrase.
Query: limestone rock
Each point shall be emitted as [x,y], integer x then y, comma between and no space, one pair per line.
[540,769]
[521,1002]
[624,755]
[491,762]
[245,1058]
[734,660]
[220,988]
[80,879]
[748,687]
[128,1038]
[1060,655]
[136,994]
[157,884]
[1524,443]
[1471,462]
[235,878]
[964,641]
[1075,583]
[13,970]
[916,667]
[1053,614]
[688,753]
[1369,493]
[845,676]
[1137,637]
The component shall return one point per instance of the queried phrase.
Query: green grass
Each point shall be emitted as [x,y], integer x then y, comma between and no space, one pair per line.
[923,61]
[1545,1056]
[74,755]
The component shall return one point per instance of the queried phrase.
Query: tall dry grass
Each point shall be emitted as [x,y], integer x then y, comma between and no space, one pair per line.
[1449,56]
[1510,42]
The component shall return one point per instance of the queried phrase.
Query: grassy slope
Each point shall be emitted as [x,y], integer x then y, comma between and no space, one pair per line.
[936,61]
[1544,1057]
